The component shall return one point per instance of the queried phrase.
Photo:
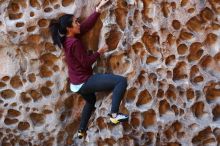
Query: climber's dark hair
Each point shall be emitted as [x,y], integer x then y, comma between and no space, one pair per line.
[58,28]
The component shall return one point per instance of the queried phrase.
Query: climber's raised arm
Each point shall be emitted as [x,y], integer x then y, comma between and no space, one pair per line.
[89,22]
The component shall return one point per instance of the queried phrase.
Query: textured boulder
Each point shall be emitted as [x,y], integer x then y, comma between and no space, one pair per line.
[168,51]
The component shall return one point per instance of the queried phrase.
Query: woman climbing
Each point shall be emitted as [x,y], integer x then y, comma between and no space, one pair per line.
[66,33]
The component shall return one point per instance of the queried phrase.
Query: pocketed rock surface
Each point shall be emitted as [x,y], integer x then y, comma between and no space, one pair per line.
[168,51]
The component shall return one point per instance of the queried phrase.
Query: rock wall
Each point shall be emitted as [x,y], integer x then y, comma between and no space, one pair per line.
[168,50]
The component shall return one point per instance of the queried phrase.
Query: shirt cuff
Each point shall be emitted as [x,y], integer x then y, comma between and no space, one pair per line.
[97,54]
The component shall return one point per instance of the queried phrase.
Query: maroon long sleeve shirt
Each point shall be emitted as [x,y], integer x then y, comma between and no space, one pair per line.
[78,60]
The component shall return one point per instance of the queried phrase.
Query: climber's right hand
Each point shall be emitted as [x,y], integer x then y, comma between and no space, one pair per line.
[103,49]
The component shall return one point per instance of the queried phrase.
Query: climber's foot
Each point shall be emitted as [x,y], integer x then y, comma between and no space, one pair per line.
[81,134]
[115,118]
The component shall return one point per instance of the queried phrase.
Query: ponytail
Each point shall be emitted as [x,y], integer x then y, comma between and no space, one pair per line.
[56,36]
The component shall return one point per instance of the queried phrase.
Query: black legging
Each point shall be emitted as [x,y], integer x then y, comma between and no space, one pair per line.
[101,82]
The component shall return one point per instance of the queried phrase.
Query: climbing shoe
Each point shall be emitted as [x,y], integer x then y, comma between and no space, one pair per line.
[115,118]
[80,134]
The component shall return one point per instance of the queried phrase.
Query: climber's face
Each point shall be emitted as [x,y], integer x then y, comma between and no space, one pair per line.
[75,26]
